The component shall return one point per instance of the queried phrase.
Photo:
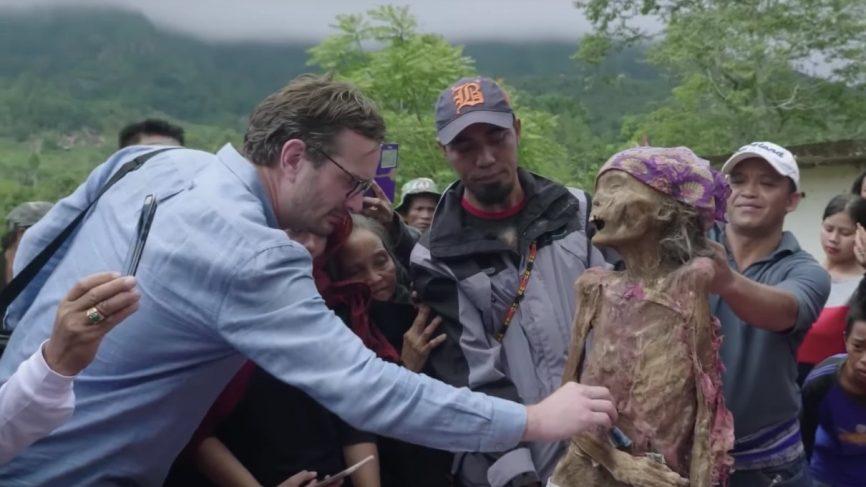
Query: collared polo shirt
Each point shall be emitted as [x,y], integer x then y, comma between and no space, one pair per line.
[760,379]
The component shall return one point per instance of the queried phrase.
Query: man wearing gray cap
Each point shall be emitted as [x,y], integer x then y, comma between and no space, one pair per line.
[18,221]
[769,293]
[498,264]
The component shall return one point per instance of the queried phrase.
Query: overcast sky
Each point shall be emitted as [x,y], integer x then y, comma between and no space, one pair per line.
[308,20]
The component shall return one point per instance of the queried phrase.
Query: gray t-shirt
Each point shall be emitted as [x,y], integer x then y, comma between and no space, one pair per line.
[760,378]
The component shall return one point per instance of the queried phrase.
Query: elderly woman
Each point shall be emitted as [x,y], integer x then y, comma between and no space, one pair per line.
[387,321]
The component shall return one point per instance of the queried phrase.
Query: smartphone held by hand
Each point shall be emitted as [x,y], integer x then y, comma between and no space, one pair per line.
[148,210]
[386,172]
[341,475]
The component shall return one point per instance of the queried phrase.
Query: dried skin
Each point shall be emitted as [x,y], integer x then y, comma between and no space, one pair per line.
[655,346]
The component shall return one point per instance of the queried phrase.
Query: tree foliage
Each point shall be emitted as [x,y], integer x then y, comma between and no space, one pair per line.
[790,71]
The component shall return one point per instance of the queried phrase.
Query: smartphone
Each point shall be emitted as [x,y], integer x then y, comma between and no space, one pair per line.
[145,219]
[341,475]
[386,172]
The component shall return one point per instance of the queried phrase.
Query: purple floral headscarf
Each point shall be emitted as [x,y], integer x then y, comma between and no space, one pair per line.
[679,173]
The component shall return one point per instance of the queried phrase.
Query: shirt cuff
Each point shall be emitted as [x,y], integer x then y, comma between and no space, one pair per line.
[40,372]
[508,423]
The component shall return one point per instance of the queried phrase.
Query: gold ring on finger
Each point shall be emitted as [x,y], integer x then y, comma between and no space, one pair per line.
[94,315]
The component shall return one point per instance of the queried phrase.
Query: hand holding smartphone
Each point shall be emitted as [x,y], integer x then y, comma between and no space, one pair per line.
[341,475]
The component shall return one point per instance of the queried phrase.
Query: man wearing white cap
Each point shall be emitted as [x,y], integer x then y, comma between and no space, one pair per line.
[769,293]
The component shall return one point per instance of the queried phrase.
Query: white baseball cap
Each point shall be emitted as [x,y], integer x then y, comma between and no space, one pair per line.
[777,156]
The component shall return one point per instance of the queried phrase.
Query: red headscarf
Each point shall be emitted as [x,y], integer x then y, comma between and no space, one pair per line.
[354,296]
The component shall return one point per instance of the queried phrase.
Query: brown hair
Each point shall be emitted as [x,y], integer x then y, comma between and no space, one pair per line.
[314,109]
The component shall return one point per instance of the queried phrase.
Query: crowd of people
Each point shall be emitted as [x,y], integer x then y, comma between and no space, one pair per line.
[288,321]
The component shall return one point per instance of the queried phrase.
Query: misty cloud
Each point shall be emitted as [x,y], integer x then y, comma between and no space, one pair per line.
[308,20]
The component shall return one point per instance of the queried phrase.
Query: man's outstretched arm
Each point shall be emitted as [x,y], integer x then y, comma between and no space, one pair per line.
[273,314]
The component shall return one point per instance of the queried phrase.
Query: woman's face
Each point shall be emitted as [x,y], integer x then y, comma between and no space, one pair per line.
[364,259]
[863,188]
[837,238]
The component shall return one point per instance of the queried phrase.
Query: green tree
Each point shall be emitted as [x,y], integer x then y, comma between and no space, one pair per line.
[404,71]
[746,68]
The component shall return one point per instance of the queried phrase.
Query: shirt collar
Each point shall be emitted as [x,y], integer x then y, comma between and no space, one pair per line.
[787,245]
[246,172]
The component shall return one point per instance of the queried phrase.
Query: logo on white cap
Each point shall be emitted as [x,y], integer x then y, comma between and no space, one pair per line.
[777,156]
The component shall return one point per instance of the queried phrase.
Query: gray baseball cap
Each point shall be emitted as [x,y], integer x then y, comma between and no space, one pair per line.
[470,101]
[417,186]
[27,214]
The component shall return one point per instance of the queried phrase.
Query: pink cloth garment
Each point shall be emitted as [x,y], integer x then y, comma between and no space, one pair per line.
[648,345]
[33,403]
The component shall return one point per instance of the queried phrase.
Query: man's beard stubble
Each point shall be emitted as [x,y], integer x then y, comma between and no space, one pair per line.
[491,193]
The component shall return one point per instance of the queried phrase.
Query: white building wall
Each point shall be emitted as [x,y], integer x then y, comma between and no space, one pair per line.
[820,184]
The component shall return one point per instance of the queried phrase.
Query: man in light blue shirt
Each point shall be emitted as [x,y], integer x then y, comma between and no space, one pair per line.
[221,281]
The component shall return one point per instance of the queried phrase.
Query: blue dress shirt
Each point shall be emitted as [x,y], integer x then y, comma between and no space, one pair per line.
[219,282]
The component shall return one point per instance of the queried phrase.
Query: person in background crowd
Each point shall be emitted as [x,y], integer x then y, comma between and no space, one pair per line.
[858,188]
[838,228]
[401,235]
[18,221]
[498,264]
[38,397]
[390,325]
[151,131]
[367,257]
[834,408]
[419,198]
[768,293]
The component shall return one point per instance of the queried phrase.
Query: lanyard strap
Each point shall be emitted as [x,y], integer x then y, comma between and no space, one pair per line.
[521,290]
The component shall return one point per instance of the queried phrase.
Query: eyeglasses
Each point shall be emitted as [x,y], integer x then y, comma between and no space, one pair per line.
[359,185]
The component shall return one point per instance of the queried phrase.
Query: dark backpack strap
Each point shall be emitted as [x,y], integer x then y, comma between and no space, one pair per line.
[23,278]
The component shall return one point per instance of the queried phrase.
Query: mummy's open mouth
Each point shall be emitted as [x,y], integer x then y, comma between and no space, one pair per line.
[597,222]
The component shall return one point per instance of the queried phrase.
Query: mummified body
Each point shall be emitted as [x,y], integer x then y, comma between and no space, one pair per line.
[647,334]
